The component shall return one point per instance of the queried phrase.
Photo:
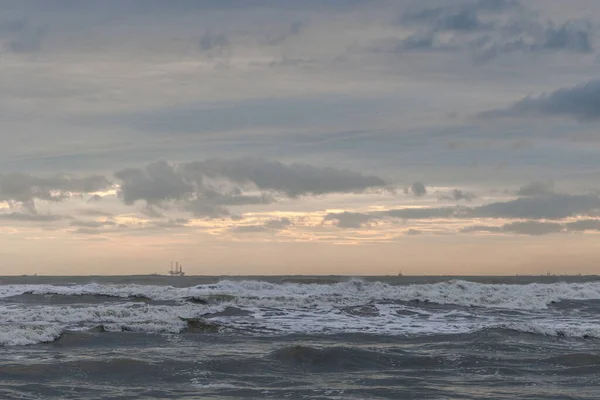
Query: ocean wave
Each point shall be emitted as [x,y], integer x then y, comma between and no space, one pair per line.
[328,357]
[262,308]
[554,329]
[315,359]
[331,358]
[535,296]
[106,317]
[47,325]
[213,319]
[200,385]
[27,334]
[574,360]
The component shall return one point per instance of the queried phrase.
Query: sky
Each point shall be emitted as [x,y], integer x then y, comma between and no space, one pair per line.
[359,137]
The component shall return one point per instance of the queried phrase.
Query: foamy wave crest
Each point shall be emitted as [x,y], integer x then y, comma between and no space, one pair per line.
[28,334]
[256,307]
[553,328]
[112,317]
[518,297]
[533,296]
[94,289]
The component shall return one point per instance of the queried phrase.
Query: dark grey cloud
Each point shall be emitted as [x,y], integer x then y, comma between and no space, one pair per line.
[276,224]
[97,228]
[156,183]
[459,20]
[532,228]
[584,225]
[27,217]
[213,42]
[349,220]
[200,209]
[425,213]
[202,198]
[293,29]
[483,30]
[413,232]
[551,206]
[417,189]
[580,102]
[159,183]
[233,198]
[293,180]
[421,14]
[458,195]
[533,38]
[191,184]
[538,228]
[25,188]
[456,17]
[536,189]
[464,17]
[556,206]
[211,203]
[152,212]
[569,36]
[422,41]
[462,20]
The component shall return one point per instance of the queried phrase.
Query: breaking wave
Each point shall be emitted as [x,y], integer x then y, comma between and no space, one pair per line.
[555,329]
[21,325]
[28,334]
[535,296]
[263,308]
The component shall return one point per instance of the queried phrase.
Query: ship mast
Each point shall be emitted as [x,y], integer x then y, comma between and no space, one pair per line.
[176,269]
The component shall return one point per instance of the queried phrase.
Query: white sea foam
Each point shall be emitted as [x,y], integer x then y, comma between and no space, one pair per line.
[578,329]
[349,307]
[533,296]
[113,317]
[326,320]
[23,334]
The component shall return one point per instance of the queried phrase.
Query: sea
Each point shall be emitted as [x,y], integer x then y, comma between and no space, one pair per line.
[300,337]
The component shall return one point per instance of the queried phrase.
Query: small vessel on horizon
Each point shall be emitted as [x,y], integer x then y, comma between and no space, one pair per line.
[176,269]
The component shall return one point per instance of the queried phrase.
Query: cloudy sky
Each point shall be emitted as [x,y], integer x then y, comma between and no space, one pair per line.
[313,137]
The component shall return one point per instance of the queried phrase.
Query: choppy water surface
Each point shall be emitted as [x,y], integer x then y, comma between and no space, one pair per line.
[290,337]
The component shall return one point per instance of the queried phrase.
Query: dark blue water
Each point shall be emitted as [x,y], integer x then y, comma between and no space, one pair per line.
[317,338]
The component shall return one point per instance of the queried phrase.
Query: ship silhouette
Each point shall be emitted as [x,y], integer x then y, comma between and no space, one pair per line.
[176,269]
